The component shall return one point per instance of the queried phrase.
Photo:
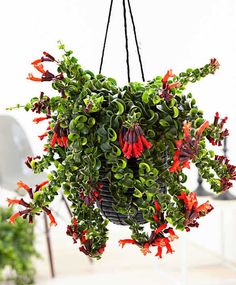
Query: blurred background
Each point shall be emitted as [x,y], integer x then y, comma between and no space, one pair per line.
[177,34]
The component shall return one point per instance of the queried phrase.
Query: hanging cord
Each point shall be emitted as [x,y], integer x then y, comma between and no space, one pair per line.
[105,39]
[126,41]
[136,41]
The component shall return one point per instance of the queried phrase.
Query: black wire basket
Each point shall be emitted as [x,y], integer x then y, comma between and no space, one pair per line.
[106,205]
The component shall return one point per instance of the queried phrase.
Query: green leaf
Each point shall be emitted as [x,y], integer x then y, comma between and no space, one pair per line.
[163,123]
[120,107]
[176,112]
[106,147]
[144,166]
[112,136]
[145,97]
[137,193]
[118,175]
[80,119]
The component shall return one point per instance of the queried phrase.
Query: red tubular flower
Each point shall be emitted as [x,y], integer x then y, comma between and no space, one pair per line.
[201,129]
[37,61]
[167,76]
[159,252]
[147,144]
[172,235]
[145,249]
[50,215]
[216,119]
[18,214]
[190,201]
[49,56]
[40,68]
[155,218]
[174,85]
[12,202]
[168,247]
[41,137]
[157,206]
[16,201]
[205,208]
[59,141]
[75,222]
[53,140]
[14,217]
[160,229]
[20,184]
[40,119]
[31,77]
[39,187]
[52,219]
[65,141]
[123,242]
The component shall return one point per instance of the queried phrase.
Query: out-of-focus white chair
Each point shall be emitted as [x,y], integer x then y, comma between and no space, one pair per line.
[14,148]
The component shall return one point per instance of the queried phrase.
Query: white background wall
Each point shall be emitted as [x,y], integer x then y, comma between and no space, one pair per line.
[172,34]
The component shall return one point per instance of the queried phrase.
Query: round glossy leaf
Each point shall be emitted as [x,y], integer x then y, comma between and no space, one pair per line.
[112,136]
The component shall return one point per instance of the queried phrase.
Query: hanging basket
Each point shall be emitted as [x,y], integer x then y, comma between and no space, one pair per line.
[106,205]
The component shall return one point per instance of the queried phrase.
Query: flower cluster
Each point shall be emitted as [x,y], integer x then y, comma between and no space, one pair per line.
[29,212]
[188,147]
[132,141]
[46,75]
[165,92]
[221,134]
[76,233]
[93,194]
[158,237]
[229,172]
[192,210]
[60,136]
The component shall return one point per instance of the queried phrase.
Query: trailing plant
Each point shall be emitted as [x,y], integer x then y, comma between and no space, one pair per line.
[16,250]
[96,128]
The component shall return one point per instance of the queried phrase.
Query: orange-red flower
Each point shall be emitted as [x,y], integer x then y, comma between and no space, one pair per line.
[12,202]
[39,186]
[190,201]
[21,184]
[40,119]
[160,228]
[165,92]
[187,148]
[123,242]
[33,78]
[14,217]
[167,76]
[40,68]
[172,235]
[52,220]
[145,249]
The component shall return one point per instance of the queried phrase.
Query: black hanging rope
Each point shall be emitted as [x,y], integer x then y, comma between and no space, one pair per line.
[105,39]
[136,41]
[126,41]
